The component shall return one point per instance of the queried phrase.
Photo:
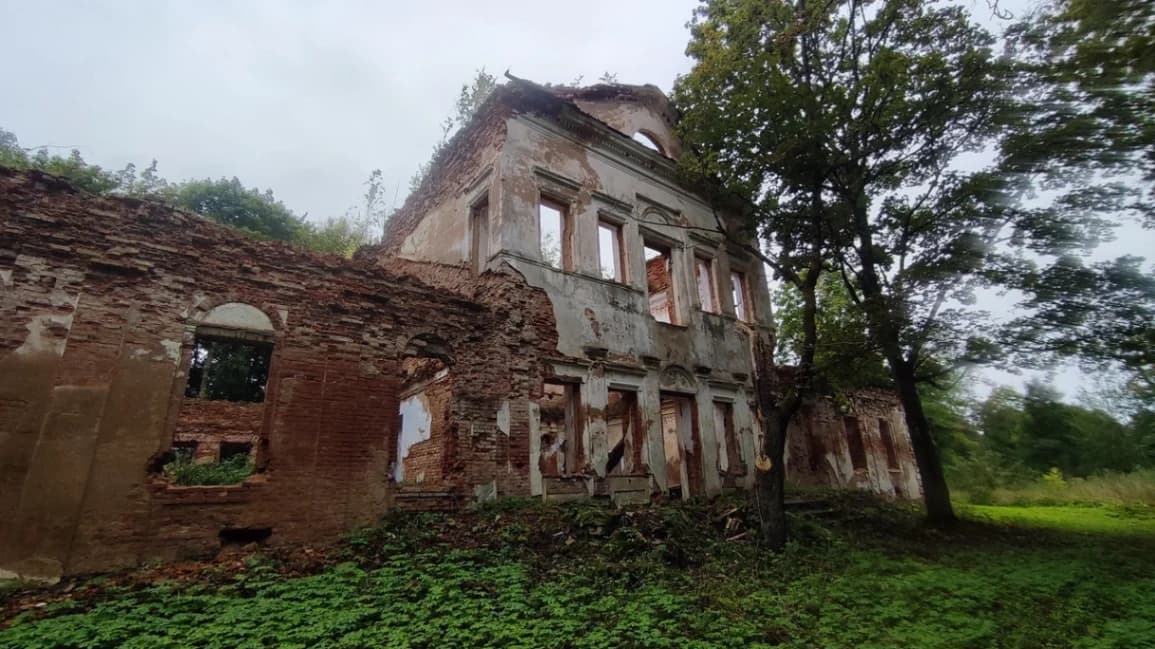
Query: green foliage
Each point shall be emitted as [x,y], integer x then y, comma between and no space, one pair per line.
[91,178]
[469,101]
[868,576]
[184,471]
[845,356]
[1086,520]
[1038,431]
[225,201]
[229,202]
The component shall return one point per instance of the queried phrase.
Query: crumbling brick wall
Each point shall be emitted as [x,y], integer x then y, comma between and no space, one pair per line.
[820,446]
[100,300]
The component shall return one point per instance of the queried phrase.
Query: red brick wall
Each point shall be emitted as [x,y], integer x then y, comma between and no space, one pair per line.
[100,298]
[209,423]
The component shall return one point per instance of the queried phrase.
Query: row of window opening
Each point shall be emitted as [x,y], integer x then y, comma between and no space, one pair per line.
[556,236]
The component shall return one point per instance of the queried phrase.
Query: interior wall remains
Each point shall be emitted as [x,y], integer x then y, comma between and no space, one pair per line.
[102,298]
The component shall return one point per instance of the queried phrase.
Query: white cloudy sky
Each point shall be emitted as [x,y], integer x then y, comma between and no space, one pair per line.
[306,98]
[303,97]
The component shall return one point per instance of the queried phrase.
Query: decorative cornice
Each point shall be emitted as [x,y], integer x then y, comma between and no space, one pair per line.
[613,202]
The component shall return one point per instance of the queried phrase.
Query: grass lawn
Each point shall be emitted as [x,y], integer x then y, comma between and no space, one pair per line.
[864,575]
[1086,520]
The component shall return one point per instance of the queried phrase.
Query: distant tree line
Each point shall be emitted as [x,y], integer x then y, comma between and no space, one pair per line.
[224,200]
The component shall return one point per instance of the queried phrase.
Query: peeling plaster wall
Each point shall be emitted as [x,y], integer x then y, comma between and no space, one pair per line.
[100,302]
[606,337]
[819,453]
[603,324]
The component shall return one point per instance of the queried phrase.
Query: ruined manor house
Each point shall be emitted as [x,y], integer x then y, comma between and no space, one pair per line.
[551,314]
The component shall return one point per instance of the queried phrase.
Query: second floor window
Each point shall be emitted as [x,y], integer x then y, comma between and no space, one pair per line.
[704,272]
[554,233]
[611,264]
[741,296]
[660,282]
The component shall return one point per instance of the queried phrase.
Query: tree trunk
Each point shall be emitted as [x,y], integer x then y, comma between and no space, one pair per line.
[770,465]
[880,317]
[936,494]
[770,484]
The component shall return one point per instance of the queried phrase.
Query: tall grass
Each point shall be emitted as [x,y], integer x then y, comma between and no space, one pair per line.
[1114,489]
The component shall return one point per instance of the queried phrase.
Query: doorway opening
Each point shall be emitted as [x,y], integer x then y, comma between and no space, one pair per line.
[678,440]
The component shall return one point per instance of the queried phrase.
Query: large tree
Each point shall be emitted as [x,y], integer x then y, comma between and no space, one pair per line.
[781,214]
[1086,133]
[876,100]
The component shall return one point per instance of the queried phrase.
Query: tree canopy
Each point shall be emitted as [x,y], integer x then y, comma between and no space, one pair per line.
[930,153]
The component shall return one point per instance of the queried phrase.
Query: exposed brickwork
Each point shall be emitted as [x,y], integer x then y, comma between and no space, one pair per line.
[820,452]
[209,423]
[101,297]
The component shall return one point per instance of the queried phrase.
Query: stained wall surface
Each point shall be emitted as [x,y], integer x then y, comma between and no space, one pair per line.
[572,148]
[824,450]
[101,301]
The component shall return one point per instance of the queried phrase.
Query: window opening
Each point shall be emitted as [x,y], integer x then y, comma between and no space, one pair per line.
[740,294]
[554,230]
[729,452]
[184,452]
[425,395]
[660,282]
[611,260]
[228,369]
[560,428]
[622,426]
[704,272]
[647,141]
[479,236]
[888,444]
[233,450]
[854,442]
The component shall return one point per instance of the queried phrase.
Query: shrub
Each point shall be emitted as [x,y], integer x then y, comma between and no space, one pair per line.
[184,471]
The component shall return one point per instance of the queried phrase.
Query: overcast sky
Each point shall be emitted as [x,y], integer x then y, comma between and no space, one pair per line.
[306,98]
[303,98]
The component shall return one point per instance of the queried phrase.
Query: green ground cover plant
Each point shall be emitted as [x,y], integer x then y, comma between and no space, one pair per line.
[184,471]
[859,573]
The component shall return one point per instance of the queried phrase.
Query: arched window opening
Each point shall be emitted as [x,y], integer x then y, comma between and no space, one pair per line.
[219,426]
[231,352]
[648,141]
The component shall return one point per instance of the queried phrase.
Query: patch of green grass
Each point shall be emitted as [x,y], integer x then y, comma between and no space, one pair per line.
[868,575]
[1086,520]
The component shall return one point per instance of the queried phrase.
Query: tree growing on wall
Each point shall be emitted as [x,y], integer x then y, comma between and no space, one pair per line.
[470,98]
[226,201]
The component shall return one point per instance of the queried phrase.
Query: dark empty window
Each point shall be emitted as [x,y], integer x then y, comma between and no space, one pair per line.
[888,443]
[184,451]
[228,370]
[854,442]
[230,450]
